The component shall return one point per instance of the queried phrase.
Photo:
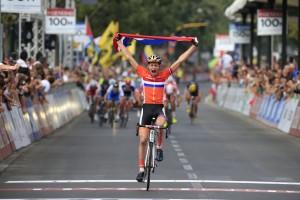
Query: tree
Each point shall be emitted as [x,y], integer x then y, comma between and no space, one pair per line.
[157,17]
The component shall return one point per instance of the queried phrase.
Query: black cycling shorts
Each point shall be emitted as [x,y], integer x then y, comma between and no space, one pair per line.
[149,111]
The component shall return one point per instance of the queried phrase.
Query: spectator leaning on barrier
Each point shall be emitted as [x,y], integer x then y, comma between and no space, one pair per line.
[24,86]
[283,82]
[21,63]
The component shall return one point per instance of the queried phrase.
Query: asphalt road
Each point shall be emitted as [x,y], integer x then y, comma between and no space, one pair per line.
[222,156]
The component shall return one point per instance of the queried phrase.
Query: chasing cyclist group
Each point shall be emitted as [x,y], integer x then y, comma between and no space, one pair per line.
[150,89]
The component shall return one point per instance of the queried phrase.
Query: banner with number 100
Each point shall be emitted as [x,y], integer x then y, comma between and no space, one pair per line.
[60,21]
[269,22]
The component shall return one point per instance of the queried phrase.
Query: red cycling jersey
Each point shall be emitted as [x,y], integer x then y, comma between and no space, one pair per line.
[153,86]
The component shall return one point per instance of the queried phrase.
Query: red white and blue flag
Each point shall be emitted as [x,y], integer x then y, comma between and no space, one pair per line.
[149,40]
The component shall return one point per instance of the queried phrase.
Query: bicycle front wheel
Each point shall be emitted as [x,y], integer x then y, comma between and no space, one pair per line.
[149,165]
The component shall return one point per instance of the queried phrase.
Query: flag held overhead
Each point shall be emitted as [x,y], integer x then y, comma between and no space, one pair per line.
[147,39]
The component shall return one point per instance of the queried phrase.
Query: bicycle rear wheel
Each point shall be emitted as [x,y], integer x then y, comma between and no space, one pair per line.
[111,117]
[192,113]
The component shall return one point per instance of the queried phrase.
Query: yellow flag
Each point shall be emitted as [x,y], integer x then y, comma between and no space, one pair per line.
[148,50]
[95,58]
[106,44]
[106,35]
[90,51]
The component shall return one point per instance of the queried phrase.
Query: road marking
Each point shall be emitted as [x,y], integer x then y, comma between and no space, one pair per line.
[101,199]
[152,189]
[180,154]
[183,160]
[36,189]
[157,181]
[187,167]
[192,175]
[178,149]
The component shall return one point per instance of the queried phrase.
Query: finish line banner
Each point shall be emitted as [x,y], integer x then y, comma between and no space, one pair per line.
[269,22]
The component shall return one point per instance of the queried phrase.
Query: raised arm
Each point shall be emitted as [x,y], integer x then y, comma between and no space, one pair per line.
[185,55]
[127,54]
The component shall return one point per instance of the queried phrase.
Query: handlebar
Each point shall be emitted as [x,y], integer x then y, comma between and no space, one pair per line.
[148,126]
[152,126]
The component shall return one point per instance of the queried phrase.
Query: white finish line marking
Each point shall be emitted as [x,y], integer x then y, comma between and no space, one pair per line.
[157,181]
[102,199]
[152,189]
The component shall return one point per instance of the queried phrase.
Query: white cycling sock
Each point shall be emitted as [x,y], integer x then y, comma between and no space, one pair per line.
[141,169]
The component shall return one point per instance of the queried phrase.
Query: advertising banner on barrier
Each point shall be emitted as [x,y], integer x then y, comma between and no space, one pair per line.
[34,123]
[20,129]
[26,124]
[288,115]
[295,127]
[7,146]
[9,126]
[21,6]
[269,22]
[60,21]
[255,103]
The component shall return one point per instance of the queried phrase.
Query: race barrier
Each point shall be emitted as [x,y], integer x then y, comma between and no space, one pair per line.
[19,128]
[283,114]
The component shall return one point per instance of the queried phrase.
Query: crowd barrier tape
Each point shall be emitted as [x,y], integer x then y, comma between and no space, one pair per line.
[19,128]
[283,114]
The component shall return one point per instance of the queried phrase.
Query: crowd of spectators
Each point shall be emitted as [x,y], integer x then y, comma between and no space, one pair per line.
[26,81]
[283,82]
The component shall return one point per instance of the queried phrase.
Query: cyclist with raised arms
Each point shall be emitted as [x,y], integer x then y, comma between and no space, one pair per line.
[153,85]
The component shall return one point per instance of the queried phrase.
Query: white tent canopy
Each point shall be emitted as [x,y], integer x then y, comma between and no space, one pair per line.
[238,5]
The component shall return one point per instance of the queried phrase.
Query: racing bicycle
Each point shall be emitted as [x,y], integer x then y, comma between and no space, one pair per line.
[150,156]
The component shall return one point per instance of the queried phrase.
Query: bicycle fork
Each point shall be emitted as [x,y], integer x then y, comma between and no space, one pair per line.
[151,151]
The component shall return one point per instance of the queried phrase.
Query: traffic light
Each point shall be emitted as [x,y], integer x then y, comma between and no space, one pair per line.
[50,42]
[27,32]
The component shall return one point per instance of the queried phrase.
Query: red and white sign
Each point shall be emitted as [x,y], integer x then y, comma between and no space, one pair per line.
[60,21]
[269,22]
[223,43]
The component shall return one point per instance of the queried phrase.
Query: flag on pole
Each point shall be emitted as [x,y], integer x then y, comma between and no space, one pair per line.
[90,46]
[106,44]
[88,28]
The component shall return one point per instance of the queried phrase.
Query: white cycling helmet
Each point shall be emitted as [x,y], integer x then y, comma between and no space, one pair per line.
[112,81]
[154,59]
